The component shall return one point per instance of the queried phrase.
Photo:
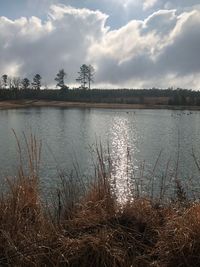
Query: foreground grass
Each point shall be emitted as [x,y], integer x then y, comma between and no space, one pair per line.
[93,229]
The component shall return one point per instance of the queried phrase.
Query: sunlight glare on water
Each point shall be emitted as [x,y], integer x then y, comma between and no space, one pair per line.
[120,154]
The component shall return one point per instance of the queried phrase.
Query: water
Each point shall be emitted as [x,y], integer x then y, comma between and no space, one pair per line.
[69,137]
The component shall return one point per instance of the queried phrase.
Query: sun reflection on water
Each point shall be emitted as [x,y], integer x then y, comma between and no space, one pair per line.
[123,161]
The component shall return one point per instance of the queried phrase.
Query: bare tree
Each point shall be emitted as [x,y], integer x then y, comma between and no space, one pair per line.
[10,83]
[16,83]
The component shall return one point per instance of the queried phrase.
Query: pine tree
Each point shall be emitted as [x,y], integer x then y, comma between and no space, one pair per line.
[25,83]
[91,73]
[37,82]
[60,79]
[83,76]
[5,80]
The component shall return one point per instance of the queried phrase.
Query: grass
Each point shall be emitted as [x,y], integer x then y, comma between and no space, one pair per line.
[93,228]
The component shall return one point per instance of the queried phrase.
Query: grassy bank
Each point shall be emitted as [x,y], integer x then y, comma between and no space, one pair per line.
[15,104]
[90,228]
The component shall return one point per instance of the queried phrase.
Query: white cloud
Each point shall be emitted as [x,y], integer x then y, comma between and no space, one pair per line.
[170,4]
[162,50]
[149,3]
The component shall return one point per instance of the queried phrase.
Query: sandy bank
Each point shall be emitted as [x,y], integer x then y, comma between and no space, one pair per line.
[40,103]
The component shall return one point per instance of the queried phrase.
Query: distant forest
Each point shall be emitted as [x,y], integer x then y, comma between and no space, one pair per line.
[18,89]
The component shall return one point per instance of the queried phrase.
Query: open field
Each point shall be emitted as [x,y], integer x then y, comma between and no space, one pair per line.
[14,104]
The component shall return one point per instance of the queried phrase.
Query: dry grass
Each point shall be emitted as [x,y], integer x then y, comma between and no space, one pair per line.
[92,229]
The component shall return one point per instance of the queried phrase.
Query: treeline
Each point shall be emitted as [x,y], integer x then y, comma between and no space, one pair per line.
[17,89]
[85,78]
[123,96]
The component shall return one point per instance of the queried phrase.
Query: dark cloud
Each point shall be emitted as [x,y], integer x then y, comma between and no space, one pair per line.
[160,22]
[182,55]
[31,46]
[163,53]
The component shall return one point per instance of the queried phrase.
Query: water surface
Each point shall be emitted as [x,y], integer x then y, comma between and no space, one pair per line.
[69,136]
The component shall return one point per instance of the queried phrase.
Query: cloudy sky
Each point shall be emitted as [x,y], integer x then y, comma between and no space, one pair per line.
[131,43]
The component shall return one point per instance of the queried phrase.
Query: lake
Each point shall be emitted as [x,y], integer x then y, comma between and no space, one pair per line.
[157,141]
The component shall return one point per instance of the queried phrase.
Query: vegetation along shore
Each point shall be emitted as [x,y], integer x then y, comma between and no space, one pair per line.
[87,226]
[20,89]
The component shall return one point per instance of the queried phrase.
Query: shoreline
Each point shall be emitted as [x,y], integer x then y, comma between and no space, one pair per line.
[13,104]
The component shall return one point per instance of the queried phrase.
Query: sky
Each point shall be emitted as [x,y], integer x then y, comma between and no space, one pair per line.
[130,43]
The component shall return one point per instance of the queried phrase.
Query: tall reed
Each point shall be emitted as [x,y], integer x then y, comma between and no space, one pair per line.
[87,226]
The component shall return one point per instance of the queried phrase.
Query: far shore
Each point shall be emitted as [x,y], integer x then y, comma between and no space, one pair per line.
[15,104]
